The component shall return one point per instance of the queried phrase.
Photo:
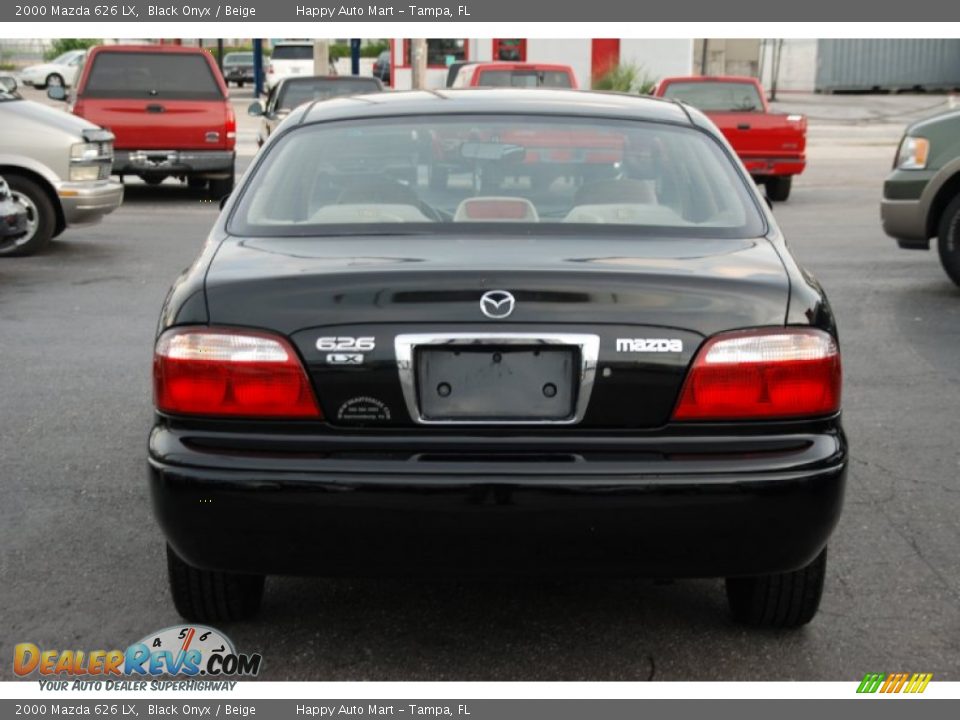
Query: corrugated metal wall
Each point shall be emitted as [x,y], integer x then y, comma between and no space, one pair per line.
[887,64]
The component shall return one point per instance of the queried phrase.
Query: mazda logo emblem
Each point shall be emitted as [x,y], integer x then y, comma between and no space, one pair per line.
[497,304]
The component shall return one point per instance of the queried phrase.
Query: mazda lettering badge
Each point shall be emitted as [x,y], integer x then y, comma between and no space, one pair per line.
[497,304]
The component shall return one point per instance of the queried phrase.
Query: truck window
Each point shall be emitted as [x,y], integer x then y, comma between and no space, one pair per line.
[169,76]
[717,96]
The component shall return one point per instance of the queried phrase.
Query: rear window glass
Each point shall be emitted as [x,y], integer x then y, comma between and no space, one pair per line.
[238,59]
[525,78]
[716,96]
[467,173]
[292,52]
[297,92]
[173,76]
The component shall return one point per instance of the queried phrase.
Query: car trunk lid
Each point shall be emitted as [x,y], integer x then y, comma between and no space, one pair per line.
[647,305]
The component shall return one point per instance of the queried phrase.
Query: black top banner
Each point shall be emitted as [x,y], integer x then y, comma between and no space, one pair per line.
[617,11]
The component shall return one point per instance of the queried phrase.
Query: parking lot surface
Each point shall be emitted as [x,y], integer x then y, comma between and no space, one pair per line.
[83,563]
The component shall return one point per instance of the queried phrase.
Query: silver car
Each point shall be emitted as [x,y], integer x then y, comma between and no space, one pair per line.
[57,166]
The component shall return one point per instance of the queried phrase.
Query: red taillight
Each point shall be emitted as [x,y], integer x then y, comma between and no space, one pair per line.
[231,127]
[769,373]
[238,373]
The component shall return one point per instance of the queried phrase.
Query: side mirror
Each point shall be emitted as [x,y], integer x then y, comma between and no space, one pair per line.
[8,83]
[57,92]
[255,109]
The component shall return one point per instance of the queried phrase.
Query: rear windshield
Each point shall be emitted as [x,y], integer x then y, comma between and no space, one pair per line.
[525,78]
[293,52]
[716,96]
[297,92]
[173,76]
[466,173]
[238,59]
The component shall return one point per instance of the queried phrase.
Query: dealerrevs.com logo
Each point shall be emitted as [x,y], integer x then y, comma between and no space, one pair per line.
[191,651]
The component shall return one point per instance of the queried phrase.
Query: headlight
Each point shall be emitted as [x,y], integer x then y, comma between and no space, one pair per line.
[85,152]
[913,153]
[83,173]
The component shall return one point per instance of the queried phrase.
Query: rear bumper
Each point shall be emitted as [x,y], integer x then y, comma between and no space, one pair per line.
[689,514]
[173,162]
[774,166]
[85,203]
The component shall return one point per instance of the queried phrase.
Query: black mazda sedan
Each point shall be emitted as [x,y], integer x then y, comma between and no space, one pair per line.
[497,332]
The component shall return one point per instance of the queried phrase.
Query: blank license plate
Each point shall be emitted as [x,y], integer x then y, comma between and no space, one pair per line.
[496,383]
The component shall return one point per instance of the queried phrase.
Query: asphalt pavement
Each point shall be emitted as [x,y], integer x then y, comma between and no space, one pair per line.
[81,558]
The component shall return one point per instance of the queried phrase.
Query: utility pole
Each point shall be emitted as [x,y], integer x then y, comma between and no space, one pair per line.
[321,57]
[418,63]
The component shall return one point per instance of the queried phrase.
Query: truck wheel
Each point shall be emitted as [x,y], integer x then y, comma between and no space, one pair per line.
[210,596]
[784,600]
[948,240]
[41,216]
[778,188]
[221,187]
[196,183]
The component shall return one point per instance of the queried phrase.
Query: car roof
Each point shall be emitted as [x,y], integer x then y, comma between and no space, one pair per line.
[326,78]
[496,101]
[710,78]
[518,65]
[147,48]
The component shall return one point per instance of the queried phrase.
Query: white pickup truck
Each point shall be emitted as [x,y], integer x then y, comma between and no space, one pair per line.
[57,166]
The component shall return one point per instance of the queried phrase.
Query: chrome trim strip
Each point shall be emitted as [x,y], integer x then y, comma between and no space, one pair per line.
[588,345]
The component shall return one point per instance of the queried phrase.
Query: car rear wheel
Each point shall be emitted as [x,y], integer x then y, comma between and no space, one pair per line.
[41,217]
[54,80]
[948,240]
[196,183]
[783,600]
[221,187]
[778,188]
[210,596]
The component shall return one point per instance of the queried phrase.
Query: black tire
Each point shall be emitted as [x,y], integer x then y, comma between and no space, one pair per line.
[221,187]
[153,180]
[778,188]
[196,183]
[240,84]
[208,596]
[53,80]
[784,600]
[41,217]
[948,240]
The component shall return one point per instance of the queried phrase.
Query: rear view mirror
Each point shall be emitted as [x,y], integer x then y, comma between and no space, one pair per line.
[57,92]
[8,83]
[255,109]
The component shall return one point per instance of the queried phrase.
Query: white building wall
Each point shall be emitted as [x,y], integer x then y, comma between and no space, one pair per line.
[798,65]
[659,58]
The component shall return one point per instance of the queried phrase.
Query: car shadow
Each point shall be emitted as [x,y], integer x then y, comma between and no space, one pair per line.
[530,629]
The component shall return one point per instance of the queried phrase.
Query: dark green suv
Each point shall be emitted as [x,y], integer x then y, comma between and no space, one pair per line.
[921,197]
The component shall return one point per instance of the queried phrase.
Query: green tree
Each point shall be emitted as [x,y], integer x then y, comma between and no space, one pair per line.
[626,78]
[62,45]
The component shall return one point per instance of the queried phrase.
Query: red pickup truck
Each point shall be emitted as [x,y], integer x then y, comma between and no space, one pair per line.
[772,146]
[167,107]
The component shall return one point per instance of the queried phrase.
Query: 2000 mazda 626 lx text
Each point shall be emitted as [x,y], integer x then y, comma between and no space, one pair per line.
[497,332]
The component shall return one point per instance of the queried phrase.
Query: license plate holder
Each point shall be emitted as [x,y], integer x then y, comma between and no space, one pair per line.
[509,383]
